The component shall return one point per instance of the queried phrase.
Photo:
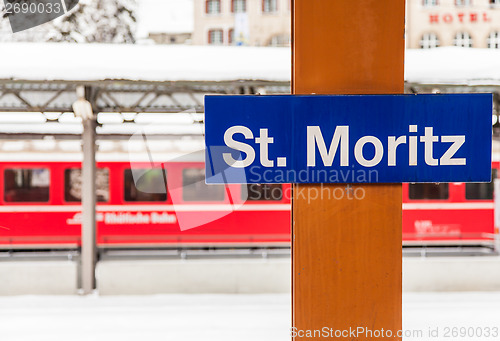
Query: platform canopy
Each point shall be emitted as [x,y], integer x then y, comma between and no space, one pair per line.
[135,78]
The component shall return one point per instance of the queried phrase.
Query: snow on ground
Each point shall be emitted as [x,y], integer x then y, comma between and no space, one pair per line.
[212,317]
[425,311]
[172,317]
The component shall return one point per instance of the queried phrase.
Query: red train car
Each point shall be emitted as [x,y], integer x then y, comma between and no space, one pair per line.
[444,214]
[169,205]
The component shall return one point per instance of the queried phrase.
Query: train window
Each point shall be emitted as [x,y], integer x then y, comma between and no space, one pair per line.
[145,185]
[27,185]
[256,192]
[195,189]
[429,191]
[480,191]
[73,185]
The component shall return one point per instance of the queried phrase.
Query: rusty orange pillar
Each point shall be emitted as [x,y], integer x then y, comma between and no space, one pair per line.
[346,252]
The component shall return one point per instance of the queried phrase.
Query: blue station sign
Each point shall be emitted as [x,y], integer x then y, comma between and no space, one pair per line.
[348,139]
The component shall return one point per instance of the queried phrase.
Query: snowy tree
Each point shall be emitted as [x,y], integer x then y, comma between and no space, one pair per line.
[91,21]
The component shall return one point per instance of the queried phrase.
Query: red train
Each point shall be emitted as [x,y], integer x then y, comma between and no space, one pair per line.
[170,206]
[40,206]
[459,214]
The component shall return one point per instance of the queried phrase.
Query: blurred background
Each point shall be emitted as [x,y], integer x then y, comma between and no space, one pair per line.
[103,100]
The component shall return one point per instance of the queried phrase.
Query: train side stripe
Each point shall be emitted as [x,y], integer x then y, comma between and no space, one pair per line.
[449,206]
[228,207]
[140,208]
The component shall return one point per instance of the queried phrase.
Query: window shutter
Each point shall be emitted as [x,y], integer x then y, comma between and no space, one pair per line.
[232,6]
[210,36]
[206,6]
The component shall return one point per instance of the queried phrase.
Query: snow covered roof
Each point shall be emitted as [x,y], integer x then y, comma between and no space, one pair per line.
[91,62]
[85,62]
[453,65]
[165,16]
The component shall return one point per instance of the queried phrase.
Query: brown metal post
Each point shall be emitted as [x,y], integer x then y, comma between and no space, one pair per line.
[346,256]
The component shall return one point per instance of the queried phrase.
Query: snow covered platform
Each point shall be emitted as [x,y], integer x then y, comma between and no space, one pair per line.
[228,276]
[216,317]
[257,276]
[42,277]
[478,273]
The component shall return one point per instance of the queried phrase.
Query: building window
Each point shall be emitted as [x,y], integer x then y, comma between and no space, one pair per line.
[215,37]
[429,41]
[238,6]
[212,7]
[195,189]
[494,40]
[269,6]
[145,185]
[280,40]
[495,3]
[428,191]
[463,2]
[73,185]
[257,192]
[481,191]
[26,184]
[462,39]
[430,3]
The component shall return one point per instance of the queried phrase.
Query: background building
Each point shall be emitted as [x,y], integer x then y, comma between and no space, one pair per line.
[165,21]
[466,23]
[242,22]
